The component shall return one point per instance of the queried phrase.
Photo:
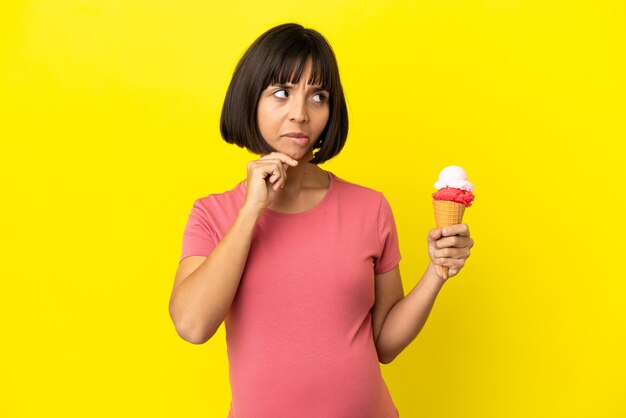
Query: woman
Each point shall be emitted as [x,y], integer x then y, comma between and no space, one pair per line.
[300,264]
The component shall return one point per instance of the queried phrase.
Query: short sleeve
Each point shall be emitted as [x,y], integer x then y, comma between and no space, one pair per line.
[199,237]
[388,239]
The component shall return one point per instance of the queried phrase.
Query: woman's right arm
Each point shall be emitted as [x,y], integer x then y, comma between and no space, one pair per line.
[201,299]
[205,287]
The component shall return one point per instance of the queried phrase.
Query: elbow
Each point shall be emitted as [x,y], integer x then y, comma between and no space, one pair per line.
[192,336]
[384,358]
[190,331]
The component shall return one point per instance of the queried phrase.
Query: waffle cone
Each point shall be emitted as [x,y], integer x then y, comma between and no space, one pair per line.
[448,213]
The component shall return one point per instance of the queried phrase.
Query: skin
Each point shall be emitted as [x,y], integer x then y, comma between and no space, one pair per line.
[284,181]
[398,319]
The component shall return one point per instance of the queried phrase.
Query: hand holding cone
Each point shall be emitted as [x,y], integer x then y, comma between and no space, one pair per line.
[454,194]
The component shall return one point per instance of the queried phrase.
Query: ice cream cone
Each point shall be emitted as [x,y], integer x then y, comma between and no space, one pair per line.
[448,213]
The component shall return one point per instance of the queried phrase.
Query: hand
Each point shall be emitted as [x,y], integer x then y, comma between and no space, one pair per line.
[450,248]
[266,177]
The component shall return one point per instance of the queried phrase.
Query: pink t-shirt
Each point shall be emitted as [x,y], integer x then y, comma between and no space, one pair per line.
[299,331]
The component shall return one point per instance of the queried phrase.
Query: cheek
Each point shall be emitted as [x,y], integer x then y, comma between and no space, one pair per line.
[323,125]
[322,119]
[264,119]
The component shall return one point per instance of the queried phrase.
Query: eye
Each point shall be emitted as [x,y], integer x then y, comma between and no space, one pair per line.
[320,98]
[281,93]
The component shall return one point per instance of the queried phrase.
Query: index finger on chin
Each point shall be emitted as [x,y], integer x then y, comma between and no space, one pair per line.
[286,159]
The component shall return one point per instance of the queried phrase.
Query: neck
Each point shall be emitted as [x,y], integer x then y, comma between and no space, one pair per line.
[305,176]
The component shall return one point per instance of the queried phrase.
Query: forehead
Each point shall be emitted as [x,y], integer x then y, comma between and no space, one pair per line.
[290,71]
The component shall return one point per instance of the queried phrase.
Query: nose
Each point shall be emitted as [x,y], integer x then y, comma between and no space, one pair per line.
[298,111]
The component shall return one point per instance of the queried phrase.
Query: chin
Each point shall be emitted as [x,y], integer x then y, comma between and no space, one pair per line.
[299,155]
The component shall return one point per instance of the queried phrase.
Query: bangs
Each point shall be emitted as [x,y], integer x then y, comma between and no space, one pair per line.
[289,69]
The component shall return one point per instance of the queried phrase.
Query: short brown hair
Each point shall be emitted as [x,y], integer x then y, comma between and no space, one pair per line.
[279,56]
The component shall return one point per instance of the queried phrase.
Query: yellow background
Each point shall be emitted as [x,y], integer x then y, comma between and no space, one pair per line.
[109,130]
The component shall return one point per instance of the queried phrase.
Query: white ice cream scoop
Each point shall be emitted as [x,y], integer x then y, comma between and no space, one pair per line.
[455,177]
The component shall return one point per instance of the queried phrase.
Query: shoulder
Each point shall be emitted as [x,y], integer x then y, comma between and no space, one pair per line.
[362,201]
[368,202]
[229,200]
[358,192]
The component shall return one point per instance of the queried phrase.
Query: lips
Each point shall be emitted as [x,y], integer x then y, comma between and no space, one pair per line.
[296,135]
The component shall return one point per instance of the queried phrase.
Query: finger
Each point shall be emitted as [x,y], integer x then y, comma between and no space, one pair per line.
[280,176]
[271,165]
[268,168]
[452,253]
[283,164]
[281,157]
[455,241]
[265,161]
[450,262]
[267,172]
[434,234]
[282,179]
[274,177]
[459,229]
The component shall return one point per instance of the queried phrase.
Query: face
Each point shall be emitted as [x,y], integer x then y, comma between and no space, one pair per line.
[291,117]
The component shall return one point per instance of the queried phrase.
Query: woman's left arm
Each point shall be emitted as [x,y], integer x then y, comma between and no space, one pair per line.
[448,247]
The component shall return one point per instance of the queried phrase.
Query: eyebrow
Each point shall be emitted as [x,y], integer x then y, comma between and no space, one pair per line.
[312,87]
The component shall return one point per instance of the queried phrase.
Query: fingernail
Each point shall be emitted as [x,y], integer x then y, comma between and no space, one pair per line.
[444,231]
